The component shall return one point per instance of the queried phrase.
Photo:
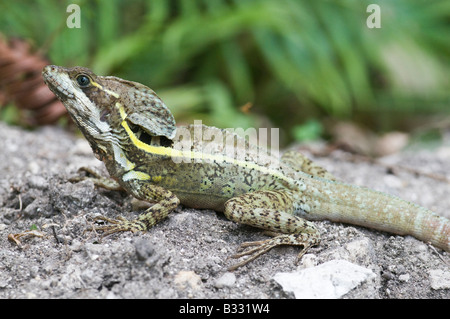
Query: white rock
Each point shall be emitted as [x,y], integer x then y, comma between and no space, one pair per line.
[228,279]
[332,279]
[184,279]
[439,279]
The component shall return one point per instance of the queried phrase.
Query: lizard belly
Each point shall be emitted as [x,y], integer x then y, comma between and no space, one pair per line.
[204,201]
[205,184]
[209,188]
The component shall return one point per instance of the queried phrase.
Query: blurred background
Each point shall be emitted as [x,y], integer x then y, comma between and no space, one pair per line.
[311,68]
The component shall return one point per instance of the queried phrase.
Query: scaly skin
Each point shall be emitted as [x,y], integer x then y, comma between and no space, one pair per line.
[130,129]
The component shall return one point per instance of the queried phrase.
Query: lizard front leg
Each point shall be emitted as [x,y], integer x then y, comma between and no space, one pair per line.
[165,200]
[97,179]
[272,211]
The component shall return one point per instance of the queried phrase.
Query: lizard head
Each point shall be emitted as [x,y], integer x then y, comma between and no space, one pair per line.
[100,105]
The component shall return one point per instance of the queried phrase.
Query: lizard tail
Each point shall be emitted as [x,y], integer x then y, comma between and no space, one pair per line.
[345,203]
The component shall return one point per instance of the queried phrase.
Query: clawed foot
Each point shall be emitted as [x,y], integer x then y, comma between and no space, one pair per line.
[260,247]
[97,179]
[15,238]
[257,248]
[117,225]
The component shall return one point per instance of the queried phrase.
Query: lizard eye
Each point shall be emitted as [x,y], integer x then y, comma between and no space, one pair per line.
[83,80]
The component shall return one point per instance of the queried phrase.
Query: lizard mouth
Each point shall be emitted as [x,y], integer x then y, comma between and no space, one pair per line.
[56,86]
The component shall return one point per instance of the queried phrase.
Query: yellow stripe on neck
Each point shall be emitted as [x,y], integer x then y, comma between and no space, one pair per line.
[106,90]
[168,151]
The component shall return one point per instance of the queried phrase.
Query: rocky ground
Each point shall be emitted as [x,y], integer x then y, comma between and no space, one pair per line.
[186,256]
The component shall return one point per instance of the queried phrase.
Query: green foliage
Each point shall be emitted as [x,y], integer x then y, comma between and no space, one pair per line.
[9,114]
[309,131]
[294,60]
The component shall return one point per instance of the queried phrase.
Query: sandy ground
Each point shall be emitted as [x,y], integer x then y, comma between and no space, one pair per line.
[187,255]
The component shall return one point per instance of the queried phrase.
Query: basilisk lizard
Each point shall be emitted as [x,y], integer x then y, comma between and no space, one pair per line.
[132,131]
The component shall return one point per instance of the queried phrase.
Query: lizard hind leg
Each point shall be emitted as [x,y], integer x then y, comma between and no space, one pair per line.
[272,211]
[300,162]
